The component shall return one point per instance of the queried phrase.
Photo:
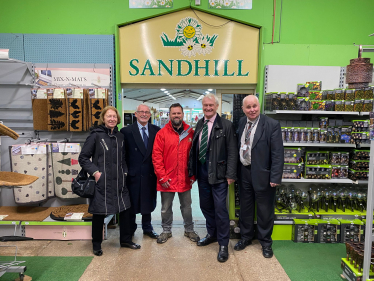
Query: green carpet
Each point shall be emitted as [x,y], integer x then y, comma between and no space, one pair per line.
[317,262]
[50,268]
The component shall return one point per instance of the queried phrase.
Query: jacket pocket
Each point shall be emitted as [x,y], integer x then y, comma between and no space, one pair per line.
[221,169]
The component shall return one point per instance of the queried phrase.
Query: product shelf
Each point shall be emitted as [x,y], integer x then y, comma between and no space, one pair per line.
[313,112]
[316,181]
[301,144]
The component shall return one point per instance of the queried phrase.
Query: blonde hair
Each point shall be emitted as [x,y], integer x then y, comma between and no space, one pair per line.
[101,119]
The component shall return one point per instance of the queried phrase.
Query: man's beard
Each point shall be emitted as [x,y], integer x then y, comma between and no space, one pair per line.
[176,122]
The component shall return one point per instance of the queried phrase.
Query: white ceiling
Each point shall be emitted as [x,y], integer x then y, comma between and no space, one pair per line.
[158,96]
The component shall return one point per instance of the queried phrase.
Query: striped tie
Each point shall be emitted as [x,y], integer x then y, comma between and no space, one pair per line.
[204,143]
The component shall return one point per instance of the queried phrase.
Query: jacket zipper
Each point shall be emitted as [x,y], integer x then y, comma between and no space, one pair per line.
[119,208]
[106,208]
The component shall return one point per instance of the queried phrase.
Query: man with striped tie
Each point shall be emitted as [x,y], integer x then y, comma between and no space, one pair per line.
[260,171]
[213,161]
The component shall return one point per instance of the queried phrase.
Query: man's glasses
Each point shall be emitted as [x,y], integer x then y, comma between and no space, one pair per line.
[144,112]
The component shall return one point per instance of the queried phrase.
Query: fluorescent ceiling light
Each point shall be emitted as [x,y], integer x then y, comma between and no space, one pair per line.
[173,98]
[207,92]
[199,98]
[210,90]
[162,89]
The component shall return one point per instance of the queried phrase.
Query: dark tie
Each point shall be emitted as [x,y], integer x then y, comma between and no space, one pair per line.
[145,137]
[247,140]
[204,143]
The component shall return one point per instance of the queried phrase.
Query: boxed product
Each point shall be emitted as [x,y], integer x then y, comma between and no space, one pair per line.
[292,171]
[330,105]
[359,164]
[323,136]
[358,174]
[368,105]
[314,85]
[349,105]
[361,123]
[302,104]
[294,154]
[283,101]
[359,94]
[330,95]
[339,105]
[360,135]
[315,95]
[317,157]
[339,172]
[351,230]
[339,94]
[349,94]
[274,101]
[328,231]
[302,91]
[305,231]
[317,105]
[346,135]
[318,171]
[292,101]
[368,93]
[359,105]
[359,154]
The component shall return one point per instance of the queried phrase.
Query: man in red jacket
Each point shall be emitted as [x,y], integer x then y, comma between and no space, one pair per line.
[171,150]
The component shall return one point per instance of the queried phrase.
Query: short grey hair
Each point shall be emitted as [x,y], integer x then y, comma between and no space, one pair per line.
[211,97]
[142,104]
[256,98]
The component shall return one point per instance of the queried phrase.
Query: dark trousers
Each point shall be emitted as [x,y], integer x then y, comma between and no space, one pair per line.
[146,222]
[265,198]
[213,206]
[124,229]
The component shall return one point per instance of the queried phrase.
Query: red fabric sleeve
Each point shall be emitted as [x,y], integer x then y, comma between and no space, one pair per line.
[158,157]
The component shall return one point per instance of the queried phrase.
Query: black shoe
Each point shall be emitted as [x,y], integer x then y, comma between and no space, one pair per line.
[151,234]
[131,245]
[242,244]
[267,252]
[206,240]
[223,254]
[98,252]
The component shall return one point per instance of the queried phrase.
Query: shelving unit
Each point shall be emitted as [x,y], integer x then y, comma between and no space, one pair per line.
[317,181]
[319,112]
[301,144]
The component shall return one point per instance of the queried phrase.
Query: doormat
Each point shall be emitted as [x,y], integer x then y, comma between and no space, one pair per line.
[49,268]
[310,261]
[25,213]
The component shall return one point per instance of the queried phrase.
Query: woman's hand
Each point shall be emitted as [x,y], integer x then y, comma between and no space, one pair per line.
[97,176]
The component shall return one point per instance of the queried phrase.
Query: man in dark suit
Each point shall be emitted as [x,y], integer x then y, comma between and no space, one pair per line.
[213,160]
[260,171]
[141,179]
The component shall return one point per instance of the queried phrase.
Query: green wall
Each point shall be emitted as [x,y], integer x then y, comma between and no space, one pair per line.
[313,32]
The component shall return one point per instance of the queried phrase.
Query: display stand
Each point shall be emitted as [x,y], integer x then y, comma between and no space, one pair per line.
[13,266]
[369,217]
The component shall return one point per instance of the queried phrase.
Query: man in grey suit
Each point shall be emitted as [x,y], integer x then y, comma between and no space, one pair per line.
[260,171]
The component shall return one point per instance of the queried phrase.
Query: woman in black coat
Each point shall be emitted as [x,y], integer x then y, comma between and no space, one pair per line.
[108,166]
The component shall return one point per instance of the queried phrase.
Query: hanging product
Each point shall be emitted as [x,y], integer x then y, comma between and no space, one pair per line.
[30,160]
[75,114]
[65,168]
[359,72]
[39,109]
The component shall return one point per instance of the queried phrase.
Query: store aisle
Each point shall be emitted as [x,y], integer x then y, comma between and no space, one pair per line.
[177,259]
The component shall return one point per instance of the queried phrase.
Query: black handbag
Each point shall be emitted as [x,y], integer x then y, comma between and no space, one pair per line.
[83,185]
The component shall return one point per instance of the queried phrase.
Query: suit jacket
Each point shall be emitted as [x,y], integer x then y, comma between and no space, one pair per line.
[266,153]
[141,179]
